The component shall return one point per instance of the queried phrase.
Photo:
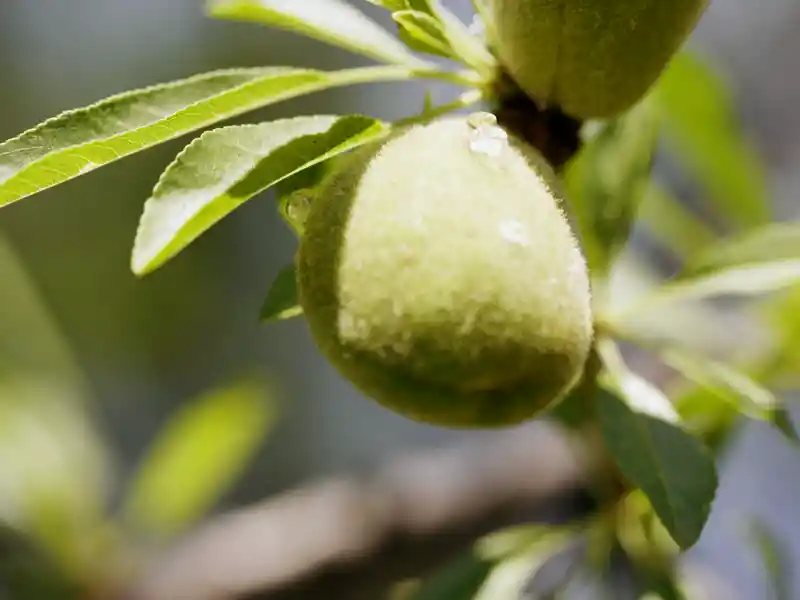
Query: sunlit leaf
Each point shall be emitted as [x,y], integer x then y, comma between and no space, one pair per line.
[82,140]
[608,179]
[670,466]
[733,386]
[703,128]
[281,302]
[333,21]
[774,556]
[225,167]
[197,456]
[769,243]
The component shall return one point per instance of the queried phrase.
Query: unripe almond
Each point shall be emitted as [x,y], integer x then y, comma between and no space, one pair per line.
[591,58]
[437,272]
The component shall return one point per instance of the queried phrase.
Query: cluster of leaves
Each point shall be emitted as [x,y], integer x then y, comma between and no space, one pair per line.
[662,441]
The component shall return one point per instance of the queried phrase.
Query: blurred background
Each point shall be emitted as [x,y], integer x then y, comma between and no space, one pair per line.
[148,346]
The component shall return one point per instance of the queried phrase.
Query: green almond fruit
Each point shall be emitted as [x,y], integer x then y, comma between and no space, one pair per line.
[439,275]
[591,58]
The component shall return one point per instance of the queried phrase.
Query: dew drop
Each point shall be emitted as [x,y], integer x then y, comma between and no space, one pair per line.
[296,207]
[477,27]
[513,232]
[486,136]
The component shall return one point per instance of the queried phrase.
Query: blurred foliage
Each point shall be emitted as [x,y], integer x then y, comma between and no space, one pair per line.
[56,472]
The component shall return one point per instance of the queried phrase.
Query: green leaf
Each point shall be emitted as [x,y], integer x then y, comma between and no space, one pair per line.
[82,140]
[641,395]
[608,179]
[531,560]
[702,128]
[774,557]
[733,386]
[737,281]
[464,46]
[281,302]
[768,243]
[197,456]
[225,167]
[460,580]
[333,21]
[670,466]
[423,33]
[390,4]
[673,225]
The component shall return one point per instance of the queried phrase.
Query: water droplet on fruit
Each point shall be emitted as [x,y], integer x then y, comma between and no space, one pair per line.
[477,27]
[486,137]
[296,207]
[513,231]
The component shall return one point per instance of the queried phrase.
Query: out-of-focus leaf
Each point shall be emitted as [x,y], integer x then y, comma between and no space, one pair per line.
[750,280]
[333,21]
[225,167]
[522,554]
[281,302]
[702,127]
[769,243]
[30,342]
[460,580]
[673,225]
[197,456]
[670,466]
[55,473]
[774,557]
[782,314]
[79,141]
[608,179]
[733,386]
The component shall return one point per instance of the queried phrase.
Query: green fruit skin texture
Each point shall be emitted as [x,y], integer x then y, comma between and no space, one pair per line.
[592,58]
[445,282]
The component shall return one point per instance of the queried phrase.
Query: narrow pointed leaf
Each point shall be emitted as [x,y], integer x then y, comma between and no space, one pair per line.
[82,140]
[198,454]
[702,126]
[225,167]
[390,4]
[608,179]
[670,466]
[423,33]
[769,243]
[732,386]
[281,302]
[333,21]
[641,395]
[464,46]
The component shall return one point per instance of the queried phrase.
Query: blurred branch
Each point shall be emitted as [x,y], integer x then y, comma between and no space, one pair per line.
[352,538]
